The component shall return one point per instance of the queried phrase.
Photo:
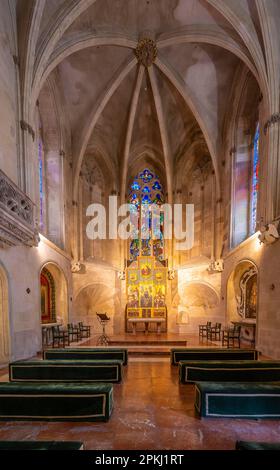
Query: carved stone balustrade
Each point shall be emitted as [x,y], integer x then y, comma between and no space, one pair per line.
[17,215]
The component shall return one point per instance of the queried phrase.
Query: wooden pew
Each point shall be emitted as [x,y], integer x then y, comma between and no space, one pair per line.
[211,354]
[256,445]
[55,402]
[66,371]
[118,354]
[237,400]
[41,445]
[229,371]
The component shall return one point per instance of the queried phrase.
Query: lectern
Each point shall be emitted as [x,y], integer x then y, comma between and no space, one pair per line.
[103,319]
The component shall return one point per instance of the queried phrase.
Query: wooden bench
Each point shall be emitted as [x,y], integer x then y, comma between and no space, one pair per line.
[41,445]
[229,371]
[237,400]
[55,402]
[66,371]
[211,354]
[87,353]
[256,445]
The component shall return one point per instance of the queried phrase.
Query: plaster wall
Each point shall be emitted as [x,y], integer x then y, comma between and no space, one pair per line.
[198,298]
[97,289]
[23,266]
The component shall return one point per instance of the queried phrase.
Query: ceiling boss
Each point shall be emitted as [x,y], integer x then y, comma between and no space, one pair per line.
[146,52]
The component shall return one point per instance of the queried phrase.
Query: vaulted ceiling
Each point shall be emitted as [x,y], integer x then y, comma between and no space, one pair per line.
[129,112]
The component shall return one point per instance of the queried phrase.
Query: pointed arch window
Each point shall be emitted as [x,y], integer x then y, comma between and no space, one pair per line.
[255,181]
[145,190]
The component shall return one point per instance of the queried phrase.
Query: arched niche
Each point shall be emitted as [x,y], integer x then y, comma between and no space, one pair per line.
[96,297]
[199,303]
[54,294]
[242,292]
[4,318]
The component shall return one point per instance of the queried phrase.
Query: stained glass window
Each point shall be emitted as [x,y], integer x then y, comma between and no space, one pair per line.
[41,180]
[255,181]
[145,190]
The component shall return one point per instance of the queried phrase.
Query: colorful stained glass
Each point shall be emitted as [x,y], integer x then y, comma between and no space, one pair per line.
[135,186]
[156,186]
[141,197]
[41,181]
[255,182]
[146,176]
[146,189]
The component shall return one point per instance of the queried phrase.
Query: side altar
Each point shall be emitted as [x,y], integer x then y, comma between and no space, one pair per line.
[146,294]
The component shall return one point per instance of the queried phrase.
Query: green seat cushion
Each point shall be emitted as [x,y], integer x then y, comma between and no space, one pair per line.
[238,400]
[252,445]
[41,445]
[227,371]
[55,402]
[87,353]
[211,354]
[66,371]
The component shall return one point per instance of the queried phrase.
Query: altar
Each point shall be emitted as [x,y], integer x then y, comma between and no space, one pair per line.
[158,321]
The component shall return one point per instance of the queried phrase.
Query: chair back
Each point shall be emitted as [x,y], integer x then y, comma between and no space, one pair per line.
[55,330]
[208,323]
[237,330]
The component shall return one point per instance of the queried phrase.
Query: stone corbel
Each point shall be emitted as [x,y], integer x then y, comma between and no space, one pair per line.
[121,275]
[274,118]
[171,274]
[216,266]
[269,233]
[26,127]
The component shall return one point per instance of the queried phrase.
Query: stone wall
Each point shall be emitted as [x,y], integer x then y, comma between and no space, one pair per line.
[266,259]
[9,120]
[23,266]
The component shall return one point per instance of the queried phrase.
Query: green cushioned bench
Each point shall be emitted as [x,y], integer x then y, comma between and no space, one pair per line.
[41,445]
[229,371]
[238,400]
[87,353]
[66,371]
[55,402]
[253,445]
[211,354]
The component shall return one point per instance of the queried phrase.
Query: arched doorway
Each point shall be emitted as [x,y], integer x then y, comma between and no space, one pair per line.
[4,319]
[48,297]
[242,292]
[242,298]
[54,295]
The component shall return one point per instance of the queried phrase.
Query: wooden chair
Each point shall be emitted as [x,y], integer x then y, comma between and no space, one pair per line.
[230,335]
[61,337]
[74,332]
[214,332]
[204,329]
[84,329]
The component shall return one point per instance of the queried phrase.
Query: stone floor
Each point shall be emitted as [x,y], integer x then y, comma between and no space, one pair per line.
[152,411]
